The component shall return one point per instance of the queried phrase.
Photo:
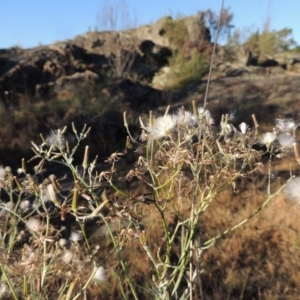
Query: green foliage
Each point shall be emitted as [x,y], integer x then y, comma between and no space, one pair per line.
[184,71]
[187,64]
[295,49]
[176,31]
[263,43]
[239,36]
[269,42]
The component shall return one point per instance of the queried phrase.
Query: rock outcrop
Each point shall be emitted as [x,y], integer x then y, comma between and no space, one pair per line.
[92,57]
[140,54]
[130,70]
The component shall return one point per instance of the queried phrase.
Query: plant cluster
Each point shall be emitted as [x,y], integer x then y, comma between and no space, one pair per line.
[185,71]
[48,248]
[176,31]
[187,63]
[263,43]
[270,41]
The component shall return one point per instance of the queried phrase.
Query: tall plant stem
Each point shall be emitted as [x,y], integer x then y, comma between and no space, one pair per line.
[212,57]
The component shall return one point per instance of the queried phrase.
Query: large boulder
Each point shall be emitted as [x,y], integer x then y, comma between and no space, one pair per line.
[136,95]
[36,71]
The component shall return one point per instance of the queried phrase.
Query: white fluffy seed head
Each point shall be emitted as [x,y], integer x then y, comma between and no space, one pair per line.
[205,114]
[292,190]
[67,257]
[100,274]
[34,224]
[268,139]
[226,129]
[56,139]
[163,126]
[24,205]
[186,118]
[286,125]
[62,242]
[286,140]
[243,127]
[75,236]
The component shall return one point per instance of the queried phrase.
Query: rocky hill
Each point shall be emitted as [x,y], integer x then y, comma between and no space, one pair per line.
[91,80]
[94,77]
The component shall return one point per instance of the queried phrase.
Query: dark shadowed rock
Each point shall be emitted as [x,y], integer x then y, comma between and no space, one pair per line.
[137,95]
[36,71]
[268,63]
[78,78]
[155,52]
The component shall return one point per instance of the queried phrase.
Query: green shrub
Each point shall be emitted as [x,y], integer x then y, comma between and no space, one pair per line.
[266,42]
[184,71]
[270,42]
[187,64]
[176,31]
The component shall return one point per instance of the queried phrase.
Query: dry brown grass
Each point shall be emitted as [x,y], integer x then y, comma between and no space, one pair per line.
[257,261]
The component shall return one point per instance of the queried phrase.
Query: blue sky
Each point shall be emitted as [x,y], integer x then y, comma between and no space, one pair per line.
[28,23]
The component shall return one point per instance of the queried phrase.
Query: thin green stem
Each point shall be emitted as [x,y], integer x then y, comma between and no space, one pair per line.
[210,242]
[9,282]
[213,55]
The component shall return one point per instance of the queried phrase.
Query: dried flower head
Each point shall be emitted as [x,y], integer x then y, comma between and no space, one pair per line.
[34,224]
[205,114]
[67,257]
[227,130]
[50,194]
[25,205]
[286,125]
[186,118]
[56,139]
[243,127]
[286,140]
[163,126]
[62,242]
[268,139]
[100,274]
[292,190]
[75,236]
